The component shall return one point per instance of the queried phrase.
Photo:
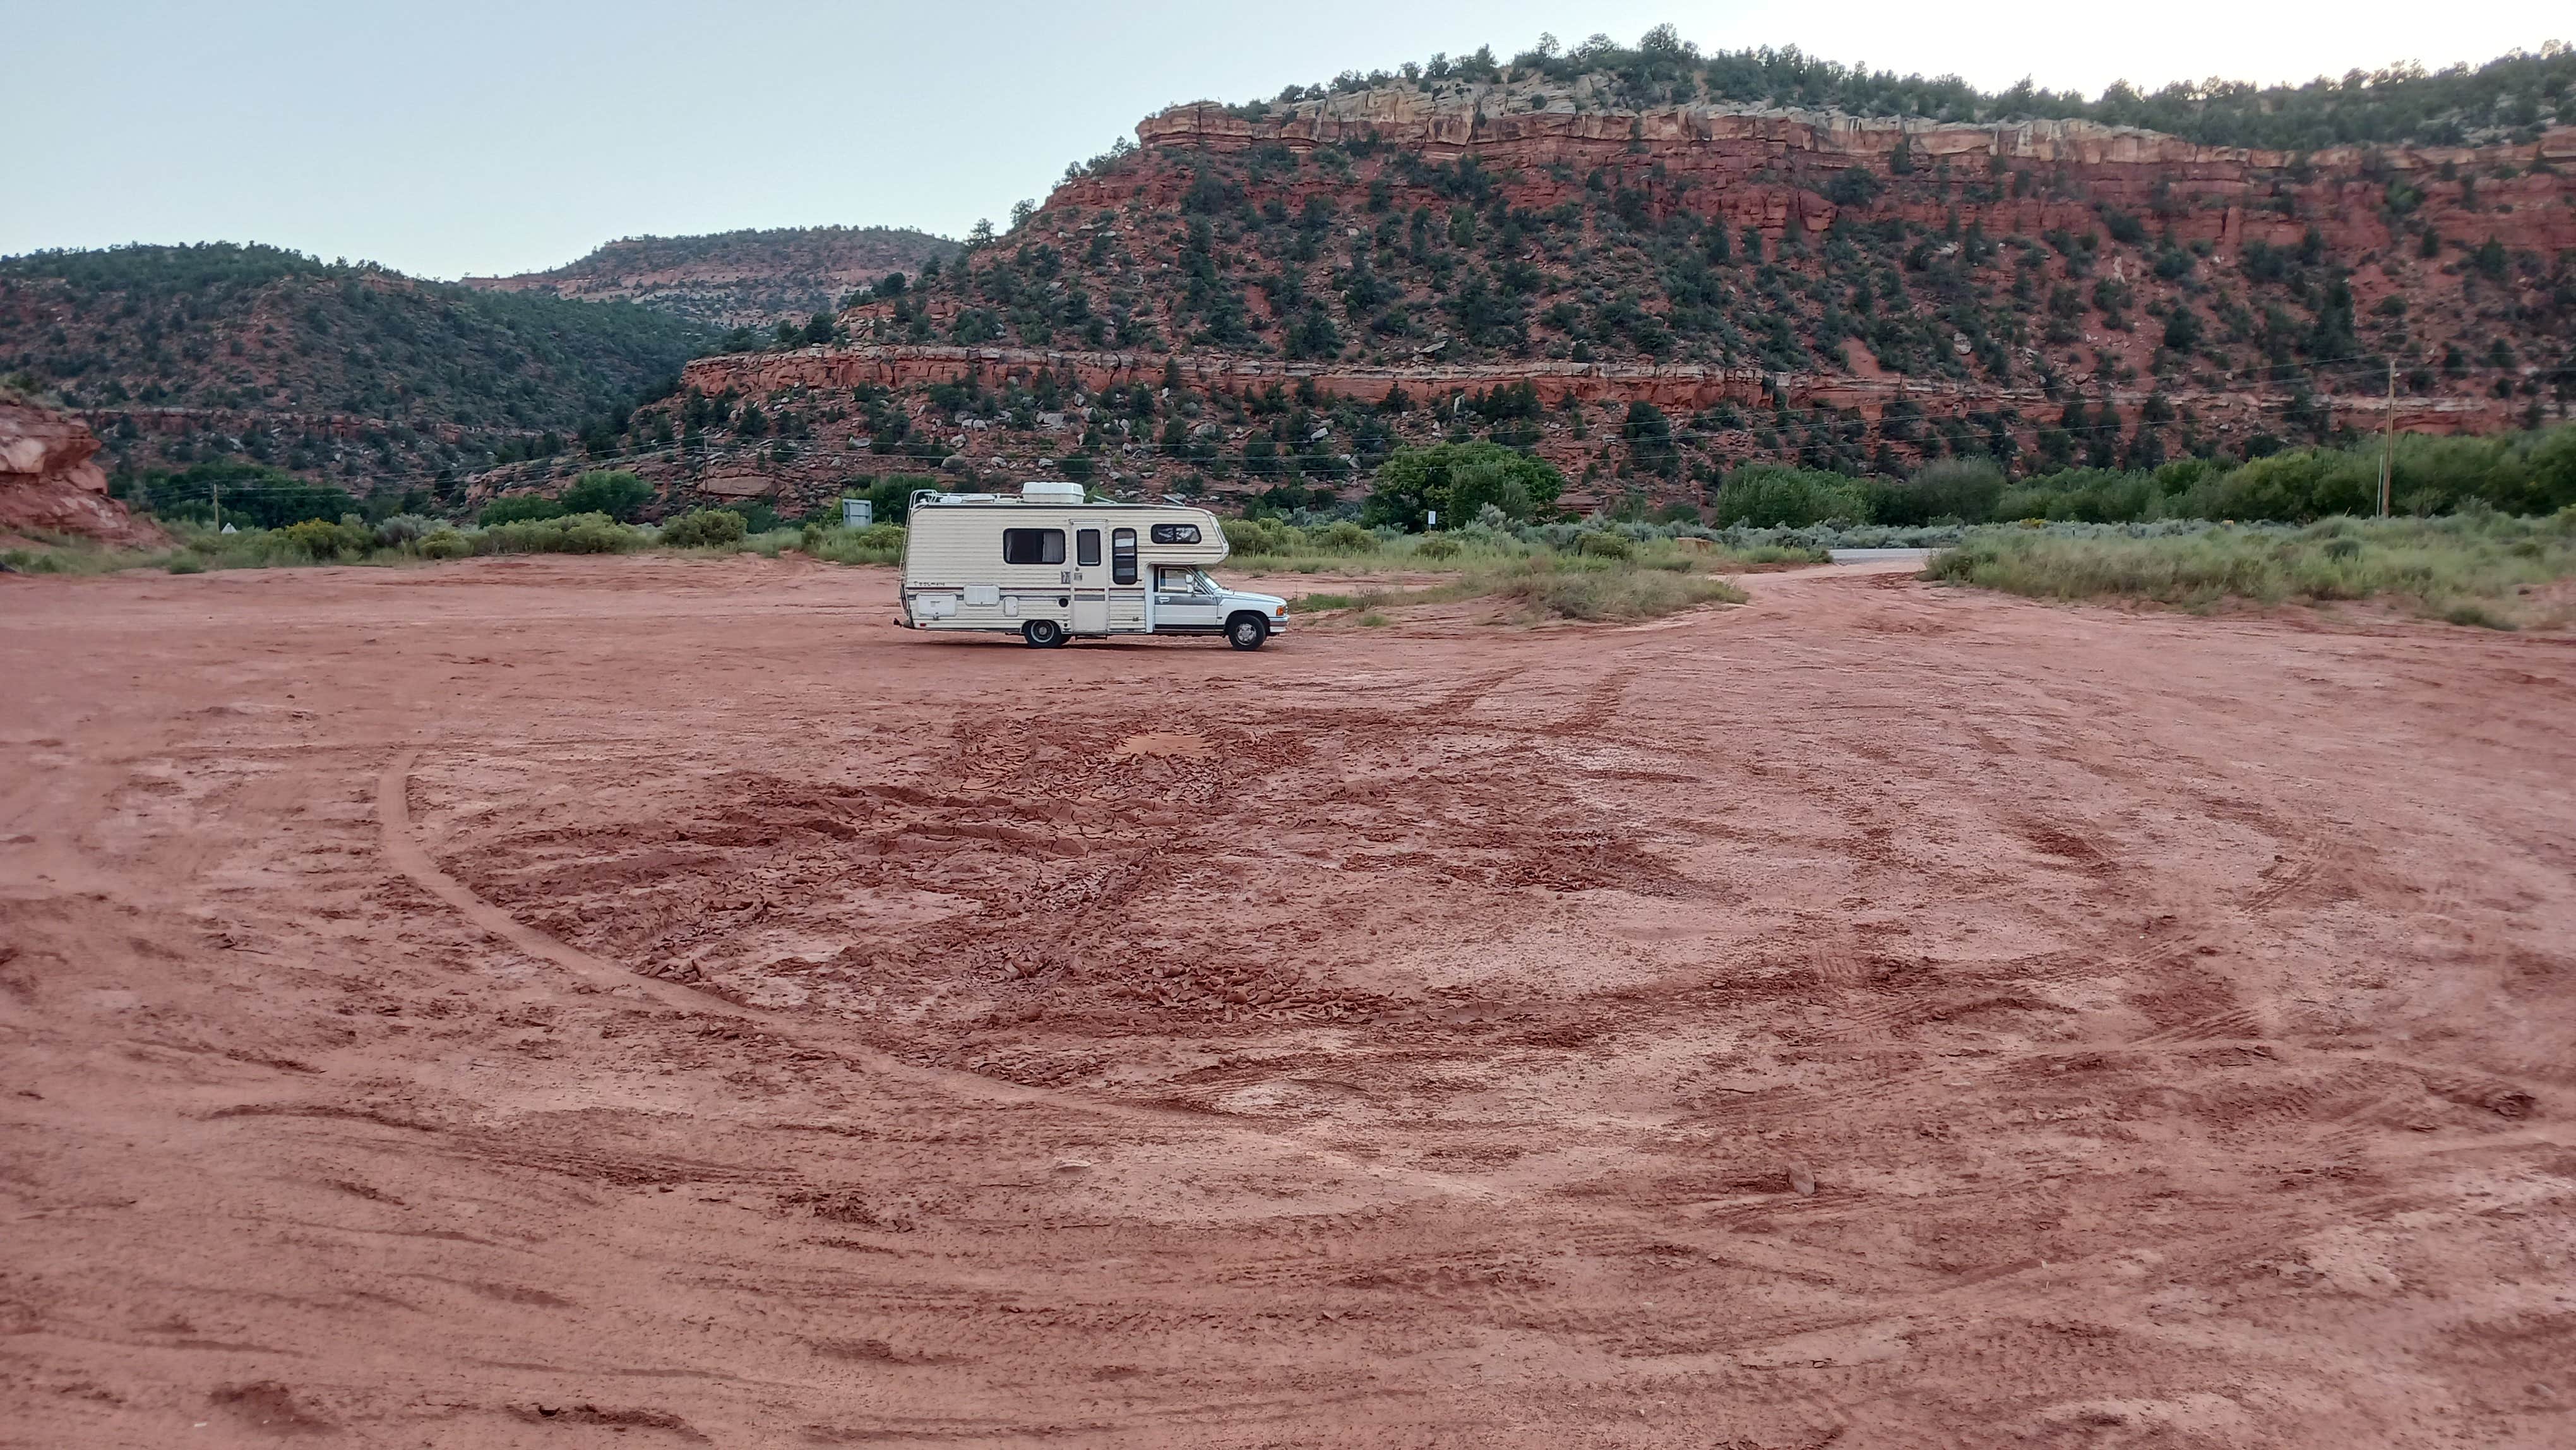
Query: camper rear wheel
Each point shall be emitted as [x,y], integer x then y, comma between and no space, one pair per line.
[1247,631]
[1042,633]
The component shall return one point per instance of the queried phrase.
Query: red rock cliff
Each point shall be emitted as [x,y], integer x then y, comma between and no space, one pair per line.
[48,483]
[1734,153]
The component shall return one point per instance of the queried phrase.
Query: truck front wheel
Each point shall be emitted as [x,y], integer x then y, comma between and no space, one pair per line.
[1247,631]
[1042,633]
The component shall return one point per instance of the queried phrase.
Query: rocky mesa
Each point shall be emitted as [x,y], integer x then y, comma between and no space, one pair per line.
[1263,299]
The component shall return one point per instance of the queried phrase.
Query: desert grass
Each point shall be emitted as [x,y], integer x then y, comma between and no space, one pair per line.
[2474,569]
[1546,585]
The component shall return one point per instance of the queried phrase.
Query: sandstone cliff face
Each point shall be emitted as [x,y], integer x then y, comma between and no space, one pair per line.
[2049,292]
[823,372]
[48,483]
[1738,155]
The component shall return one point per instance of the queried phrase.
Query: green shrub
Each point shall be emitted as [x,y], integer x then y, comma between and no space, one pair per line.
[2477,615]
[1343,537]
[1457,480]
[875,544]
[347,539]
[1769,495]
[1436,546]
[1613,594]
[253,496]
[444,544]
[518,508]
[1965,489]
[1264,536]
[618,494]
[1604,546]
[890,497]
[704,529]
[2444,565]
[401,529]
[570,534]
[2519,473]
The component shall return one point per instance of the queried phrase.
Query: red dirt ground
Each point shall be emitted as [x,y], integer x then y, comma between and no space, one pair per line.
[637,1001]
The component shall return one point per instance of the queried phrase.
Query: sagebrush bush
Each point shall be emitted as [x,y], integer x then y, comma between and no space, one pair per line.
[1605,546]
[570,534]
[2443,565]
[703,529]
[1263,536]
[875,544]
[1436,546]
[402,529]
[1612,594]
[444,544]
[518,508]
[348,539]
[1343,537]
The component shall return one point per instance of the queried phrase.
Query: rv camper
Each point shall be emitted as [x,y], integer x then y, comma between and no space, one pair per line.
[1049,567]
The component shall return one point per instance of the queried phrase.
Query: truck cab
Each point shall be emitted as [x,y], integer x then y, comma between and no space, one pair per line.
[1188,601]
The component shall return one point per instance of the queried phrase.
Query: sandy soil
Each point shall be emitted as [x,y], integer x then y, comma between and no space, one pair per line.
[637,1001]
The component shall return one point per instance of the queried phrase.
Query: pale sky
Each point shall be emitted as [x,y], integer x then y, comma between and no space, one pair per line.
[472,137]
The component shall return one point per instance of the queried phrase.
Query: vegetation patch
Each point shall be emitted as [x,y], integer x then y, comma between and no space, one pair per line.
[2468,568]
[1545,584]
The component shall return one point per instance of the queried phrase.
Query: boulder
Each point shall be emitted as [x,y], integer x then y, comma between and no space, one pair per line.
[49,484]
[739,485]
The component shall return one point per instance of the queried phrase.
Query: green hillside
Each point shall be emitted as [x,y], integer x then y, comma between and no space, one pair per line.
[182,353]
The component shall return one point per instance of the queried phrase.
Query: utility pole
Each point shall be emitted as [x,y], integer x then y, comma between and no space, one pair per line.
[215,501]
[2388,440]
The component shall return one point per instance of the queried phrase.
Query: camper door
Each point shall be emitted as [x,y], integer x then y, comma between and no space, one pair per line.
[1090,578]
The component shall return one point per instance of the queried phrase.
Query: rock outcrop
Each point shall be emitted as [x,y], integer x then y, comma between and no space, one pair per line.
[735,279]
[49,484]
[1263,299]
[1672,386]
[1745,163]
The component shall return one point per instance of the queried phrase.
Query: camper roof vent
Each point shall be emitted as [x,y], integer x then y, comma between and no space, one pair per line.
[1036,491]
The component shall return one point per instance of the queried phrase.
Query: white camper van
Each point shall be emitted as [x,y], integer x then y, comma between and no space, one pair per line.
[1048,567]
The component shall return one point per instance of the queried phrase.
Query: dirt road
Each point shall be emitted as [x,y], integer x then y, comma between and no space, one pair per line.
[637,1001]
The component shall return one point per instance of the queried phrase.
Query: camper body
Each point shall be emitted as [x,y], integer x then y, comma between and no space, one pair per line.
[1048,567]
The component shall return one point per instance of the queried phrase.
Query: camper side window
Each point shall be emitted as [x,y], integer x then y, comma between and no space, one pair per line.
[1176,533]
[1032,546]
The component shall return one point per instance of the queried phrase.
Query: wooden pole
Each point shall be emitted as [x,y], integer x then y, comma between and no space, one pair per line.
[2388,440]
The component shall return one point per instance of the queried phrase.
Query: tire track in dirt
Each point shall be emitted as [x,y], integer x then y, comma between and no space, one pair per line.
[406,855]
[1614,1224]
[1780,860]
